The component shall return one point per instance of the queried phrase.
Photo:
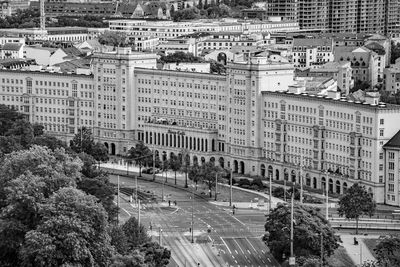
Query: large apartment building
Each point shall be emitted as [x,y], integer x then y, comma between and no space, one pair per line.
[246,120]
[312,14]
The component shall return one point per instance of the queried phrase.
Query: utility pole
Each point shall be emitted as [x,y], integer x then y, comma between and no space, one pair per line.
[327,197]
[216,186]
[292,261]
[159,236]
[118,198]
[322,251]
[301,180]
[230,188]
[139,214]
[136,197]
[270,192]
[192,215]
[154,163]
[284,189]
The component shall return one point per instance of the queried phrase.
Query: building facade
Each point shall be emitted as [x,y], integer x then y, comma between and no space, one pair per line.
[246,120]
[313,14]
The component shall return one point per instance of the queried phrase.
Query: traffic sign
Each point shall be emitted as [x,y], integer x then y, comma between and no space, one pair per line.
[292,261]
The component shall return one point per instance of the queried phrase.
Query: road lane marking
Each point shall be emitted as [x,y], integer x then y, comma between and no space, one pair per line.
[238,245]
[251,245]
[226,245]
[126,212]
[236,251]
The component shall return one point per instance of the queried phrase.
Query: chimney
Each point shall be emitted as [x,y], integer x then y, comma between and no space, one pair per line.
[372,98]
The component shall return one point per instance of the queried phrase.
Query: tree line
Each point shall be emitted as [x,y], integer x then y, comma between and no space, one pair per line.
[57,208]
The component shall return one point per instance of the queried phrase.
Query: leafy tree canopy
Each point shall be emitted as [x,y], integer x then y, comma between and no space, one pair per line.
[141,154]
[388,251]
[356,202]
[113,38]
[309,224]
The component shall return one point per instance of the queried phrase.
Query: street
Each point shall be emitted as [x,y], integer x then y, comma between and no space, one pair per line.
[220,239]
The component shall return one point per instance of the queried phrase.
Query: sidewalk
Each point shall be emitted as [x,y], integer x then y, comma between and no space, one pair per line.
[358,252]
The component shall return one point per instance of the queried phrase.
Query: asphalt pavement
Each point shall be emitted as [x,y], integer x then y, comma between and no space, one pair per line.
[220,238]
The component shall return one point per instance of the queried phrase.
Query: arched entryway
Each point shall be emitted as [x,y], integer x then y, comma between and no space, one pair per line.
[344,188]
[212,160]
[330,186]
[315,185]
[195,160]
[308,180]
[113,149]
[270,171]
[221,162]
[242,167]
[323,184]
[293,176]
[164,156]
[277,175]
[106,145]
[203,160]
[235,166]
[338,187]
[262,168]
[285,174]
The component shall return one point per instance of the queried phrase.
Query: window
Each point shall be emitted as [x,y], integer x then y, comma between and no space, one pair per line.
[391,155]
[381,132]
[391,165]
[391,187]
[381,121]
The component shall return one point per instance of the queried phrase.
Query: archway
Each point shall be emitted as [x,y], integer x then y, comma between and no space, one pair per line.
[171,155]
[323,184]
[112,149]
[203,160]
[195,160]
[164,156]
[338,187]
[308,180]
[180,158]
[315,182]
[277,175]
[285,174]
[330,186]
[242,167]
[235,166]
[262,167]
[221,162]
[187,161]
[370,192]
[270,171]
[212,160]
[344,188]
[293,176]
[106,145]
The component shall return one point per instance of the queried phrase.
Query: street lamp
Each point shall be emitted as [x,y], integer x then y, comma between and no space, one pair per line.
[292,260]
[270,192]
[154,163]
[192,228]
[327,197]
[230,187]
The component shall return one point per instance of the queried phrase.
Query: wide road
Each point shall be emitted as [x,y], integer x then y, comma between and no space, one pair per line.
[220,238]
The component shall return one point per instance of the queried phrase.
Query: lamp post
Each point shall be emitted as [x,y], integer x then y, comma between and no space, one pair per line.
[118,199]
[270,193]
[154,163]
[301,180]
[292,260]
[216,185]
[322,251]
[193,213]
[230,188]
[327,197]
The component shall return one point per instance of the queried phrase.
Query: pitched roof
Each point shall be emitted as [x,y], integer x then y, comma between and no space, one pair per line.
[12,46]
[394,142]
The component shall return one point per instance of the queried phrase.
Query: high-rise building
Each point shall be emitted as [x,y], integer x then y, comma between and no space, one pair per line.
[392,18]
[342,16]
[371,16]
[287,9]
[313,14]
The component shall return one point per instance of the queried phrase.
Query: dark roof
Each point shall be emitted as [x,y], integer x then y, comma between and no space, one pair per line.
[12,46]
[377,48]
[394,142]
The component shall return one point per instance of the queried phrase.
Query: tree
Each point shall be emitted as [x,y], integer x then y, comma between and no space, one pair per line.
[388,251]
[27,179]
[100,187]
[200,5]
[38,129]
[356,202]
[136,235]
[83,141]
[140,154]
[119,239]
[186,14]
[73,232]
[49,141]
[185,163]
[395,52]
[208,171]
[194,173]
[360,85]
[22,131]
[309,225]
[155,255]
[8,144]
[113,39]
[216,67]
[175,164]
[100,152]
